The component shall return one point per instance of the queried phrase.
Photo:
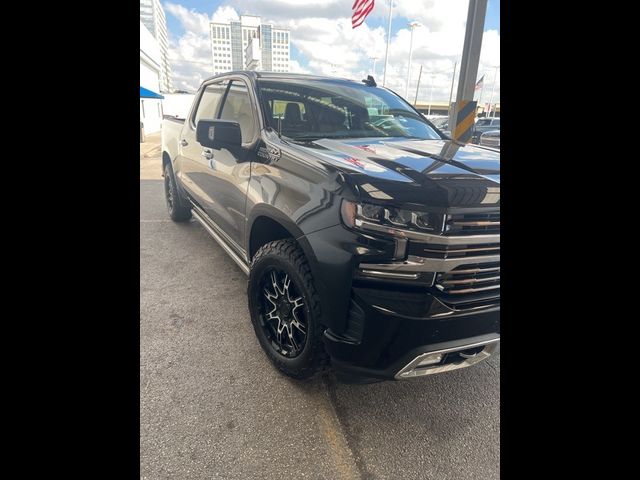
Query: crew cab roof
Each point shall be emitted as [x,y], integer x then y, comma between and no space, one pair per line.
[282,76]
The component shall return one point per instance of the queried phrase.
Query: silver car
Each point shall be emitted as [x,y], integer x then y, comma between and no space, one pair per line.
[490,139]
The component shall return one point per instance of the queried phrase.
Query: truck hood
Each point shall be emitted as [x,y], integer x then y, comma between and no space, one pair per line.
[438,173]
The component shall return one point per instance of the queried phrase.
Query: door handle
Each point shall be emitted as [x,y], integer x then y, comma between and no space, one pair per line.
[207,154]
[184,143]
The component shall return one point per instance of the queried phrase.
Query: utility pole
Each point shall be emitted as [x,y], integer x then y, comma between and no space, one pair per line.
[411,25]
[386,53]
[418,86]
[453,78]
[493,110]
[468,72]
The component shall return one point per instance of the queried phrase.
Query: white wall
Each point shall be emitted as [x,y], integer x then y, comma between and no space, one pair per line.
[149,48]
[152,118]
[151,115]
[149,77]
[177,104]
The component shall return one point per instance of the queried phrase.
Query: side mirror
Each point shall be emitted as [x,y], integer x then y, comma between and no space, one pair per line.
[218,133]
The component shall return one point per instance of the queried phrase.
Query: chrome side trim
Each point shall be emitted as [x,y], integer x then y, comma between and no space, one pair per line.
[428,237]
[234,256]
[423,264]
[228,240]
[410,370]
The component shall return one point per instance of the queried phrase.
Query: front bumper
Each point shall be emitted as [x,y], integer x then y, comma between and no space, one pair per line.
[390,335]
[444,295]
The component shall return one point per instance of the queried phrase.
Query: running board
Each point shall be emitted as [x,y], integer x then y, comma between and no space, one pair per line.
[234,256]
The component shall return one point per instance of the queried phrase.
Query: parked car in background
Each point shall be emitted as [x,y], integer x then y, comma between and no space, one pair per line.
[484,125]
[441,122]
[490,139]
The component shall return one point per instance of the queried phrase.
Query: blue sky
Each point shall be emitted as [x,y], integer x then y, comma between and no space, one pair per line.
[321,36]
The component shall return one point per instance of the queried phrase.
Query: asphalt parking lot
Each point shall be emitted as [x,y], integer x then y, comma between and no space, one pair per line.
[211,405]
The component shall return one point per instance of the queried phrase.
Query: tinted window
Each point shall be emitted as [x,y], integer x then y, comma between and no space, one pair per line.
[237,107]
[209,102]
[496,123]
[307,109]
[483,122]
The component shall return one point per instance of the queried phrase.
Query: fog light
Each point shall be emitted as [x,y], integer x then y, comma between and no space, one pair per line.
[430,360]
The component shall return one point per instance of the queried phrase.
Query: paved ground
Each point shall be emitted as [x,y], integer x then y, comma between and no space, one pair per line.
[211,406]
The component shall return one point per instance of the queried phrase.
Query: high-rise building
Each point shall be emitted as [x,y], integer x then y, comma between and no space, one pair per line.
[269,50]
[152,16]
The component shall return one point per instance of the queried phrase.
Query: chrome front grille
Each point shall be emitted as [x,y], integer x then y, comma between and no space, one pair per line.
[473,223]
[470,279]
[453,251]
[460,265]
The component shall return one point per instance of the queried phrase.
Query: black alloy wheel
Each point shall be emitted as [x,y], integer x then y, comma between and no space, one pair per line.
[282,313]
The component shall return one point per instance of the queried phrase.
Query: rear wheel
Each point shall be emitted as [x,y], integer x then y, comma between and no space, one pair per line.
[285,309]
[176,205]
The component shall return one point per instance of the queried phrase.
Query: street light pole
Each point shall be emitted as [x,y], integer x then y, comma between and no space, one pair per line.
[415,101]
[493,110]
[431,94]
[468,67]
[452,80]
[386,53]
[411,25]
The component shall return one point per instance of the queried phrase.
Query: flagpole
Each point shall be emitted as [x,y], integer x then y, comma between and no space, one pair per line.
[480,97]
[493,111]
[386,54]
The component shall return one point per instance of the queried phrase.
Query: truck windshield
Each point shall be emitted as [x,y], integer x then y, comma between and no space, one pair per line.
[312,109]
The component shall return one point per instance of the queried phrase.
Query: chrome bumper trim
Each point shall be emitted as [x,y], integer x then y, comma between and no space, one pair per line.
[412,370]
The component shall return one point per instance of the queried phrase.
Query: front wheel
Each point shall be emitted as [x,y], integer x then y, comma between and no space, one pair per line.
[285,309]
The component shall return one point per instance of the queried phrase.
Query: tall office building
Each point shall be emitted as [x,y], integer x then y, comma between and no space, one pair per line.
[249,45]
[152,16]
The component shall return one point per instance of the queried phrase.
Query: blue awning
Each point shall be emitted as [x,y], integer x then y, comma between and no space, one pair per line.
[144,93]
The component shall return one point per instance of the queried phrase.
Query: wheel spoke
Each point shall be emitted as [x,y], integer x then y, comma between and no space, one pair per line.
[298,302]
[271,297]
[301,328]
[274,282]
[292,340]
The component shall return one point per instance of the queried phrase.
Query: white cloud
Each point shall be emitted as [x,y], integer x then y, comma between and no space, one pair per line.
[190,20]
[321,31]
[295,67]
[190,54]
[225,14]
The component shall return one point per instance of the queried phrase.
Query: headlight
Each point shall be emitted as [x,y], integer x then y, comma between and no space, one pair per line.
[400,218]
[363,215]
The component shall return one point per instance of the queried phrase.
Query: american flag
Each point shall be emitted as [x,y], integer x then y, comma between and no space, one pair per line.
[361,8]
[480,83]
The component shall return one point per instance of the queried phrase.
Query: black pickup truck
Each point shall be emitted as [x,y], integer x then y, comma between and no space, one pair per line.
[371,240]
